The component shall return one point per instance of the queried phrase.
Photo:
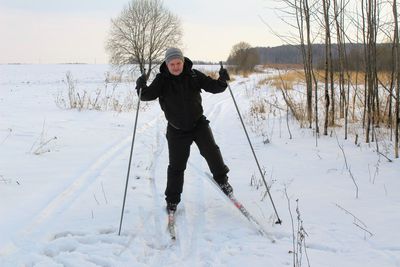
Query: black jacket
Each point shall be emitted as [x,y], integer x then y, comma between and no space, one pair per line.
[179,96]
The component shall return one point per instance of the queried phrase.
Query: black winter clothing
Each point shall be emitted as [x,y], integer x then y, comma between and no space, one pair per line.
[179,143]
[179,96]
[180,99]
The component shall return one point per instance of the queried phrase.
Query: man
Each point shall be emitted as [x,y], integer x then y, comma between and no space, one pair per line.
[178,88]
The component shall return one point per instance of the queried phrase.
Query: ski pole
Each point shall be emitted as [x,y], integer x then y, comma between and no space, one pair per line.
[130,159]
[279,221]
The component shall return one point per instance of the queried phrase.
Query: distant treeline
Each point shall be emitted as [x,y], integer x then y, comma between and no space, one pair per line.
[290,54]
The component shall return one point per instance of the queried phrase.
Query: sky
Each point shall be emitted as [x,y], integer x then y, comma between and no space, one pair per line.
[67,31]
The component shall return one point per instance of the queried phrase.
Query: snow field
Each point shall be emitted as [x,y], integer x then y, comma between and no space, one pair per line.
[62,208]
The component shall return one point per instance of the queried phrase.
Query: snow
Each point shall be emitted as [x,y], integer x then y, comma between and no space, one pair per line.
[61,206]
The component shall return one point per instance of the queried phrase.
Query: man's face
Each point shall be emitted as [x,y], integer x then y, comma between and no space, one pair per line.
[175,66]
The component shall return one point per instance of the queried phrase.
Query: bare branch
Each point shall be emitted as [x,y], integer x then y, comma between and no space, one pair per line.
[141,34]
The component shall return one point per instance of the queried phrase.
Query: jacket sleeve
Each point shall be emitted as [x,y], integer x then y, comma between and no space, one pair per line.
[209,84]
[153,91]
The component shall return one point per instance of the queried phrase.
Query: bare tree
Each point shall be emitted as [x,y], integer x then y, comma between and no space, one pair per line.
[376,28]
[298,15]
[342,66]
[308,62]
[397,71]
[141,34]
[328,64]
[302,13]
[370,38]
[243,56]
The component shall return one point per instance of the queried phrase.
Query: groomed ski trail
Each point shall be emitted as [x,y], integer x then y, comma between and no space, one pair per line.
[202,236]
[63,200]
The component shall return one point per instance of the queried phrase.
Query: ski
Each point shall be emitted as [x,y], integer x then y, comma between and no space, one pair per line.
[243,210]
[171,224]
[249,217]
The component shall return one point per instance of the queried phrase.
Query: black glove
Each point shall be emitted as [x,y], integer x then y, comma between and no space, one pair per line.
[141,82]
[223,75]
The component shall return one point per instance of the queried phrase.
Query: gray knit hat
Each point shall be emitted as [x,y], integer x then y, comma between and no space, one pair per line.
[173,53]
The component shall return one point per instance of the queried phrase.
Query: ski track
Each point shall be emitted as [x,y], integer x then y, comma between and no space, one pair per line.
[191,245]
[189,225]
[159,236]
[185,248]
[197,208]
[148,243]
[208,251]
[194,241]
[214,107]
[64,199]
[202,237]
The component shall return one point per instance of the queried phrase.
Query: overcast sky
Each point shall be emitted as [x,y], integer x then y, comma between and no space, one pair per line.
[59,31]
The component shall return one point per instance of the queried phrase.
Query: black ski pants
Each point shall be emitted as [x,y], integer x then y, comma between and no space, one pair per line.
[179,143]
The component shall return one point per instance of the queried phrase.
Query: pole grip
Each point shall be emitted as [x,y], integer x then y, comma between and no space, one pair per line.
[144,73]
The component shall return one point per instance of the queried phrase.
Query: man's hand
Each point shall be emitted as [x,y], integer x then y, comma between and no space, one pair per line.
[223,74]
[141,82]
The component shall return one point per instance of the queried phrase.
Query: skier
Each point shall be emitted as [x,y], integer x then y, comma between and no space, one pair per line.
[177,87]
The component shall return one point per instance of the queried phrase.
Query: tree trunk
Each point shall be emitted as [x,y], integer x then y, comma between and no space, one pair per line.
[371,74]
[339,20]
[325,5]
[397,71]
[309,62]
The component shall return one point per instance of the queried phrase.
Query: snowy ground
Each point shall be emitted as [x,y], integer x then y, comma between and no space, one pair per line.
[62,207]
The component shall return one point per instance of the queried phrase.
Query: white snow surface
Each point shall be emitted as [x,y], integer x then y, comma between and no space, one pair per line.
[62,207]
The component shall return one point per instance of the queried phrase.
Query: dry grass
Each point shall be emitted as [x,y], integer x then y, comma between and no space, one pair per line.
[283,66]
[287,80]
[296,76]
[356,78]
[258,107]
[384,77]
[104,99]
[263,82]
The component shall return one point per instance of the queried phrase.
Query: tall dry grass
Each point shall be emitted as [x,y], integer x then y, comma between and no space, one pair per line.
[296,76]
